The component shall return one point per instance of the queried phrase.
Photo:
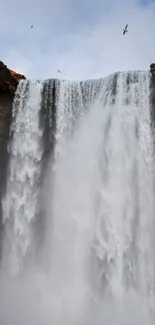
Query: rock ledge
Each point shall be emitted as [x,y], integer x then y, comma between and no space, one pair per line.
[9,79]
[152,69]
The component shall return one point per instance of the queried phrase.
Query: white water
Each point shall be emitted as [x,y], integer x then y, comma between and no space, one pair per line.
[21,200]
[69,103]
[99,218]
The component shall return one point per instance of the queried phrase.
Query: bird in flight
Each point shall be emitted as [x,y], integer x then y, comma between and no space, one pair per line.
[59,71]
[31,26]
[125,30]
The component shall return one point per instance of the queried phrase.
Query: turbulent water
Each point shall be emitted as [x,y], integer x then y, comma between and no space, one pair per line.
[21,200]
[91,211]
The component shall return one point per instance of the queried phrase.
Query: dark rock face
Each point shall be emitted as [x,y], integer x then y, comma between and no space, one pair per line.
[8,84]
[9,79]
[152,95]
[152,69]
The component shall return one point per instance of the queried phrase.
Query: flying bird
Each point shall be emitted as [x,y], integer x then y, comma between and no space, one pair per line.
[125,30]
[59,71]
[31,26]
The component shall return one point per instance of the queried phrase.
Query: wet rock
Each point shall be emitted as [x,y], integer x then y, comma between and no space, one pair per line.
[152,69]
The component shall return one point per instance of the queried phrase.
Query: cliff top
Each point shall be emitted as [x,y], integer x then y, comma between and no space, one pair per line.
[9,79]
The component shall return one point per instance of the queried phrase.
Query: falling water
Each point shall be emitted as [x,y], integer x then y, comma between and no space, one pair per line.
[103,205]
[21,200]
[99,218]
[69,107]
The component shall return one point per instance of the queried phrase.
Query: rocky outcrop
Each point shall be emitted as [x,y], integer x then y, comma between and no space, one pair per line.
[9,80]
[152,69]
[152,95]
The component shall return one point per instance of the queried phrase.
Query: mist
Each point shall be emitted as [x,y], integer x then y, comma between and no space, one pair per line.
[88,259]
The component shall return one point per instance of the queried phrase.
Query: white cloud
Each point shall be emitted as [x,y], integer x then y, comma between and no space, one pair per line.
[80,45]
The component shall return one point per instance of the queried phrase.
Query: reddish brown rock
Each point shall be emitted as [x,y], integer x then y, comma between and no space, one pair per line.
[9,79]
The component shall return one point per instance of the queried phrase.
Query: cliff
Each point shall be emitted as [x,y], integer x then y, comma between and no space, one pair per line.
[9,80]
[152,69]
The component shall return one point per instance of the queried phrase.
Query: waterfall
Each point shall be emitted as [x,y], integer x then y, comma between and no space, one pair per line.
[97,201]
[20,205]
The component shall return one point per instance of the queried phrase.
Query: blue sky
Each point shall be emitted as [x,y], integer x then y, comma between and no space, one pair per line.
[82,38]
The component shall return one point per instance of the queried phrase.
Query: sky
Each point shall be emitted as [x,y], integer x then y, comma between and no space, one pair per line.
[81,38]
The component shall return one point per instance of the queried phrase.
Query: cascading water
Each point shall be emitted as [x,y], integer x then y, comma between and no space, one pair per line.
[21,200]
[69,104]
[99,220]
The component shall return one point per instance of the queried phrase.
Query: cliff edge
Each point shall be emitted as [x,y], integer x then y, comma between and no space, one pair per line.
[152,69]
[9,80]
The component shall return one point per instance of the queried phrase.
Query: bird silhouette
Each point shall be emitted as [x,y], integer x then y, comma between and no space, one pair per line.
[125,30]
